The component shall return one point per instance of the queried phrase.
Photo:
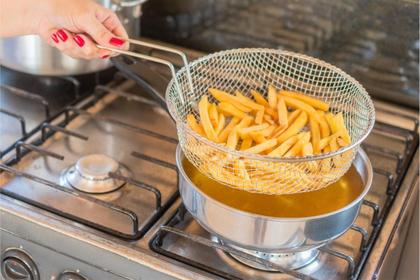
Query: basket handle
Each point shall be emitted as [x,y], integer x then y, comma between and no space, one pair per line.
[158,60]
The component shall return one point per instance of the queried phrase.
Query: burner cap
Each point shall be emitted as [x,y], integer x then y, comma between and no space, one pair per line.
[91,174]
[295,260]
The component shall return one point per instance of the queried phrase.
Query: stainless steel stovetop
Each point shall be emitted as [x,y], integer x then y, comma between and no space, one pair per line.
[141,230]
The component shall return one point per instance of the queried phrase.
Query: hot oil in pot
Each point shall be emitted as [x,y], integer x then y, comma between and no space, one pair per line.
[319,202]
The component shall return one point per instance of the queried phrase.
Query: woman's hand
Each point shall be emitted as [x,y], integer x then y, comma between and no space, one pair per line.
[74,27]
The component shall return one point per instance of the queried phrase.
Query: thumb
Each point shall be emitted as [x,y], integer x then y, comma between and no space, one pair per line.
[101,35]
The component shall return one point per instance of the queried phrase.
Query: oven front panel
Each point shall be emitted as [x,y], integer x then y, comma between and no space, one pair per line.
[29,248]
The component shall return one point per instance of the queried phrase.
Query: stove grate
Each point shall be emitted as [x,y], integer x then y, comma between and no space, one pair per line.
[170,228]
[48,130]
[38,99]
[393,181]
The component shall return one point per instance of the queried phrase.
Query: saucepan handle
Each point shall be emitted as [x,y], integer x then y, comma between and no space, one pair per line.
[127,66]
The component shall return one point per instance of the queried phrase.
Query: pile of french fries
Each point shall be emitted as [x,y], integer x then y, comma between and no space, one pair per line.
[285,124]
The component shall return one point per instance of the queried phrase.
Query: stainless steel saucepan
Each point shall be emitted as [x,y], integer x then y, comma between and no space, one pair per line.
[271,234]
[30,54]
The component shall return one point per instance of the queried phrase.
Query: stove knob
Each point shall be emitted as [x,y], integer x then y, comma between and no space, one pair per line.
[18,265]
[71,275]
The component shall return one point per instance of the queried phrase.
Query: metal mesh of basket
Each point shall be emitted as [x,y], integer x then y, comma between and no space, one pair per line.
[256,69]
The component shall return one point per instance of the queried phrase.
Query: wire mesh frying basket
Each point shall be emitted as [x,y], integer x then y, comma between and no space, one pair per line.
[256,69]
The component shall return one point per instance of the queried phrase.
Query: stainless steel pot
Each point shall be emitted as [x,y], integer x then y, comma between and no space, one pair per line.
[30,54]
[270,234]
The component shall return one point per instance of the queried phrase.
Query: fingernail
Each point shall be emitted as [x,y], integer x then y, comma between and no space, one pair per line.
[79,40]
[116,41]
[62,35]
[54,38]
[105,56]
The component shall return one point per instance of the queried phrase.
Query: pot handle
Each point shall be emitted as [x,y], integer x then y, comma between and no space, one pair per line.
[159,61]
[126,64]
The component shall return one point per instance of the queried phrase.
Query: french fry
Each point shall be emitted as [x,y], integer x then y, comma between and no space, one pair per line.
[323,125]
[307,149]
[192,123]
[246,144]
[228,98]
[329,117]
[258,137]
[259,98]
[293,115]
[325,165]
[220,124]
[342,159]
[294,128]
[268,131]
[316,135]
[297,104]
[341,142]
[262,147]
[278,131]
[306,136]
[333,144]
[225,132]
[316,103]
[337,160]
[230,110]
[259,116]
[268,119]
[233,139]
[272,97]
[282,112]
[295,149]
[248,102]
[339,122]
[266,152]
[213,114]
[244,132]
[285,146]
[324,142]
[273,113]
[245,122]
[203,107]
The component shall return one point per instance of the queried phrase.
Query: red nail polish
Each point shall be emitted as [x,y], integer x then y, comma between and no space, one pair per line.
[79,40]
[105,56]
[54,38]
[116,41]
[62,35]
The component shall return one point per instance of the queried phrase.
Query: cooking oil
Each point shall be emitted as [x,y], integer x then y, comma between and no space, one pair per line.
[307,204]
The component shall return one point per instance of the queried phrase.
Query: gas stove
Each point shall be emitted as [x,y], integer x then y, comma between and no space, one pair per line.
[89,191]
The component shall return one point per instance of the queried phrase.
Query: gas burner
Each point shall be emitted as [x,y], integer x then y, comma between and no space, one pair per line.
[91,174]
[292,261]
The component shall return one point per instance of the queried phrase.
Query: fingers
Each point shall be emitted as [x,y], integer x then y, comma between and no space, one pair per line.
[74,45]
[112,23]
[87,48]
[102,35]
[94,26]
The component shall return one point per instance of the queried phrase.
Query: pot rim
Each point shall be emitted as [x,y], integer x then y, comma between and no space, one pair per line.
[367,186]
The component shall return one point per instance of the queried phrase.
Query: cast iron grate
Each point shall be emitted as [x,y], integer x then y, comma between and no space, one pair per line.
[393,180]
[47,130]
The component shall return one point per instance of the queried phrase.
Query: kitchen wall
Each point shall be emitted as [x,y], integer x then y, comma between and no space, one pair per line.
[377,42]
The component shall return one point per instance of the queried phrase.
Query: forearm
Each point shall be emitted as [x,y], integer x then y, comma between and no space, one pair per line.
[20,17]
